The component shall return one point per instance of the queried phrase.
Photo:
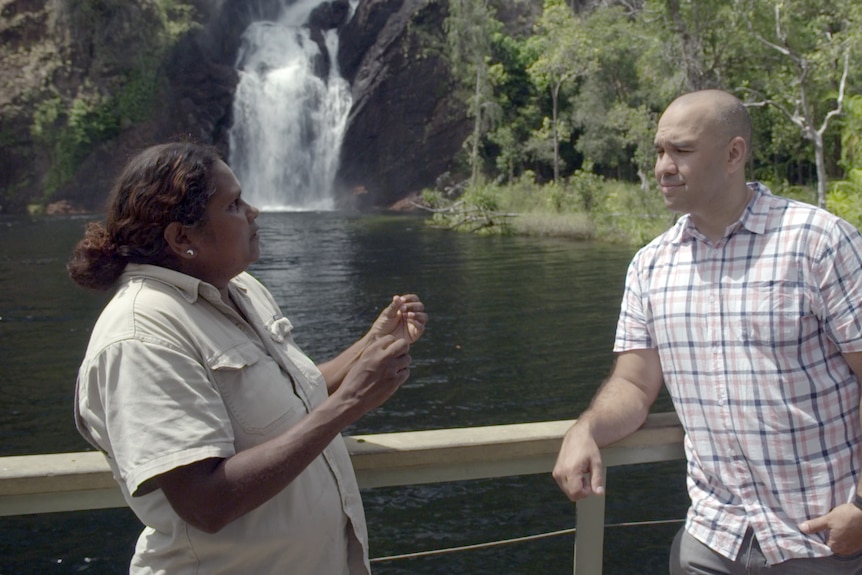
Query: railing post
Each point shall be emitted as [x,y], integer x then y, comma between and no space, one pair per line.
[590,535]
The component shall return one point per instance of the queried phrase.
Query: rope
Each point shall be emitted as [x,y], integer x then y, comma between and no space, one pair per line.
[537,536]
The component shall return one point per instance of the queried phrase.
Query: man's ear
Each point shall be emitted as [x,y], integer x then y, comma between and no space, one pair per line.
[179,243]
[737,153]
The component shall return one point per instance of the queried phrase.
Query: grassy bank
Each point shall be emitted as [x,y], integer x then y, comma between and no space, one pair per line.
[584,207]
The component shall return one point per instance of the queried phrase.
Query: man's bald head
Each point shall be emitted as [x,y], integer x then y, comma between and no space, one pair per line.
[725,111]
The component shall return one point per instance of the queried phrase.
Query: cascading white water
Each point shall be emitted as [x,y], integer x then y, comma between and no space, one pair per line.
[288,123]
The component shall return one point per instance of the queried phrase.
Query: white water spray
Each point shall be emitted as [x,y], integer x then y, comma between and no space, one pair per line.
[288,123]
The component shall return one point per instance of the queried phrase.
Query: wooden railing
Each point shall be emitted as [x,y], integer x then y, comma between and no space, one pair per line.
[82,481]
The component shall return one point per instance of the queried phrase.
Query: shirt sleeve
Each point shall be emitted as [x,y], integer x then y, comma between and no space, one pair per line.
[840,286]
[632,325]
[158,408]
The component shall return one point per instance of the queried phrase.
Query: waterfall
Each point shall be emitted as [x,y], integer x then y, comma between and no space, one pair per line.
[288,123]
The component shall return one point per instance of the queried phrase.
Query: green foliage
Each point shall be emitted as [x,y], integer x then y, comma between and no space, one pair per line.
[559,47]
[69,129]
[585,206]
[851,134]
[692,44]
[631,215]
[178,18]
[471,28]
[69,133]
[805,194]
[575,226]
[433,199]
[45,116]
[563,51]
[845,198]
[578,101]
[584,91]
[803,53]
[522,195]
[612,107]
[581,192]
[134,101]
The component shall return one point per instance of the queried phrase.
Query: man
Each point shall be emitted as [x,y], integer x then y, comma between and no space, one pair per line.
[749,310]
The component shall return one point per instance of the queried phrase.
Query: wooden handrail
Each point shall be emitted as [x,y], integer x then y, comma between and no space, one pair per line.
[386,459]
[83,480]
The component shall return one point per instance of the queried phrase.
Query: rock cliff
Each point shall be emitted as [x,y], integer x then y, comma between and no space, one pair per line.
[406,124]
[61,63]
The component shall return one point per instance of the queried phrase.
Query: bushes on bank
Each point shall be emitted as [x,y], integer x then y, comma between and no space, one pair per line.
[584,206]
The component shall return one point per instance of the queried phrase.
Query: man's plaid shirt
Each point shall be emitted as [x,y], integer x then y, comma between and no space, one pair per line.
[750,332]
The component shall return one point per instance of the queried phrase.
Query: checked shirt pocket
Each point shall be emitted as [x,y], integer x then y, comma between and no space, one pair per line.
[776,311]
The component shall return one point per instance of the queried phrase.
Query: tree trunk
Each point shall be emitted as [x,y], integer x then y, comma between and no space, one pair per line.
[820,162]
[477,128]
[555,94]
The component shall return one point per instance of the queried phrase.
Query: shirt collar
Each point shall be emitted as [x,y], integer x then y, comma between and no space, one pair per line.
[753,218]
[755,215]
[189,287]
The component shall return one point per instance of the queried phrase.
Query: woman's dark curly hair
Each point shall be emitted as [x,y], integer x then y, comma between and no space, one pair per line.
[163,184]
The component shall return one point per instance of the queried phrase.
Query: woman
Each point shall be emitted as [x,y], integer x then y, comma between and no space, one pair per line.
[224,438]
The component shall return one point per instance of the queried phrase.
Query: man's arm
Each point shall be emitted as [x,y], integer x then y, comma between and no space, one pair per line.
[619,408]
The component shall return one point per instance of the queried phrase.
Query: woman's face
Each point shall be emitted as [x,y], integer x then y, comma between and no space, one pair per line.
[227,243]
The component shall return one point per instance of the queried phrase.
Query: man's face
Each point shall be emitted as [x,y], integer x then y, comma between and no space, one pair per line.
[690,159]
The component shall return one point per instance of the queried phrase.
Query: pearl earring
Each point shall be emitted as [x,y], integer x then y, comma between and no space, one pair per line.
[190,251]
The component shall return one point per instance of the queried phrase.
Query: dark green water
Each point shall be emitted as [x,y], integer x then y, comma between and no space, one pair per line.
[520,330]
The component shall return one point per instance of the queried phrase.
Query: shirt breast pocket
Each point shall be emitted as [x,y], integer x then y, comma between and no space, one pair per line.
[775,313]
[257,393]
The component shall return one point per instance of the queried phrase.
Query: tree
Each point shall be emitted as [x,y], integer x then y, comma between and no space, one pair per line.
[516,96]
[696,39]
[812,46]
[470,29]
[563,51]
[613,106]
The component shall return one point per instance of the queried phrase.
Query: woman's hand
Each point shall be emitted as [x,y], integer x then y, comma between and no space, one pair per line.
[402,320]
[405,318]
[377,373]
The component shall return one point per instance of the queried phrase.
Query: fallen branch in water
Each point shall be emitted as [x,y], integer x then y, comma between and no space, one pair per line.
[462,216]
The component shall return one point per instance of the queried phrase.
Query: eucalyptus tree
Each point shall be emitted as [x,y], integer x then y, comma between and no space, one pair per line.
[809,49]
[563,51]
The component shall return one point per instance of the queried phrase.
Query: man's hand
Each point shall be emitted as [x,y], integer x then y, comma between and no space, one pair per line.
[578,470]
[844,527]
